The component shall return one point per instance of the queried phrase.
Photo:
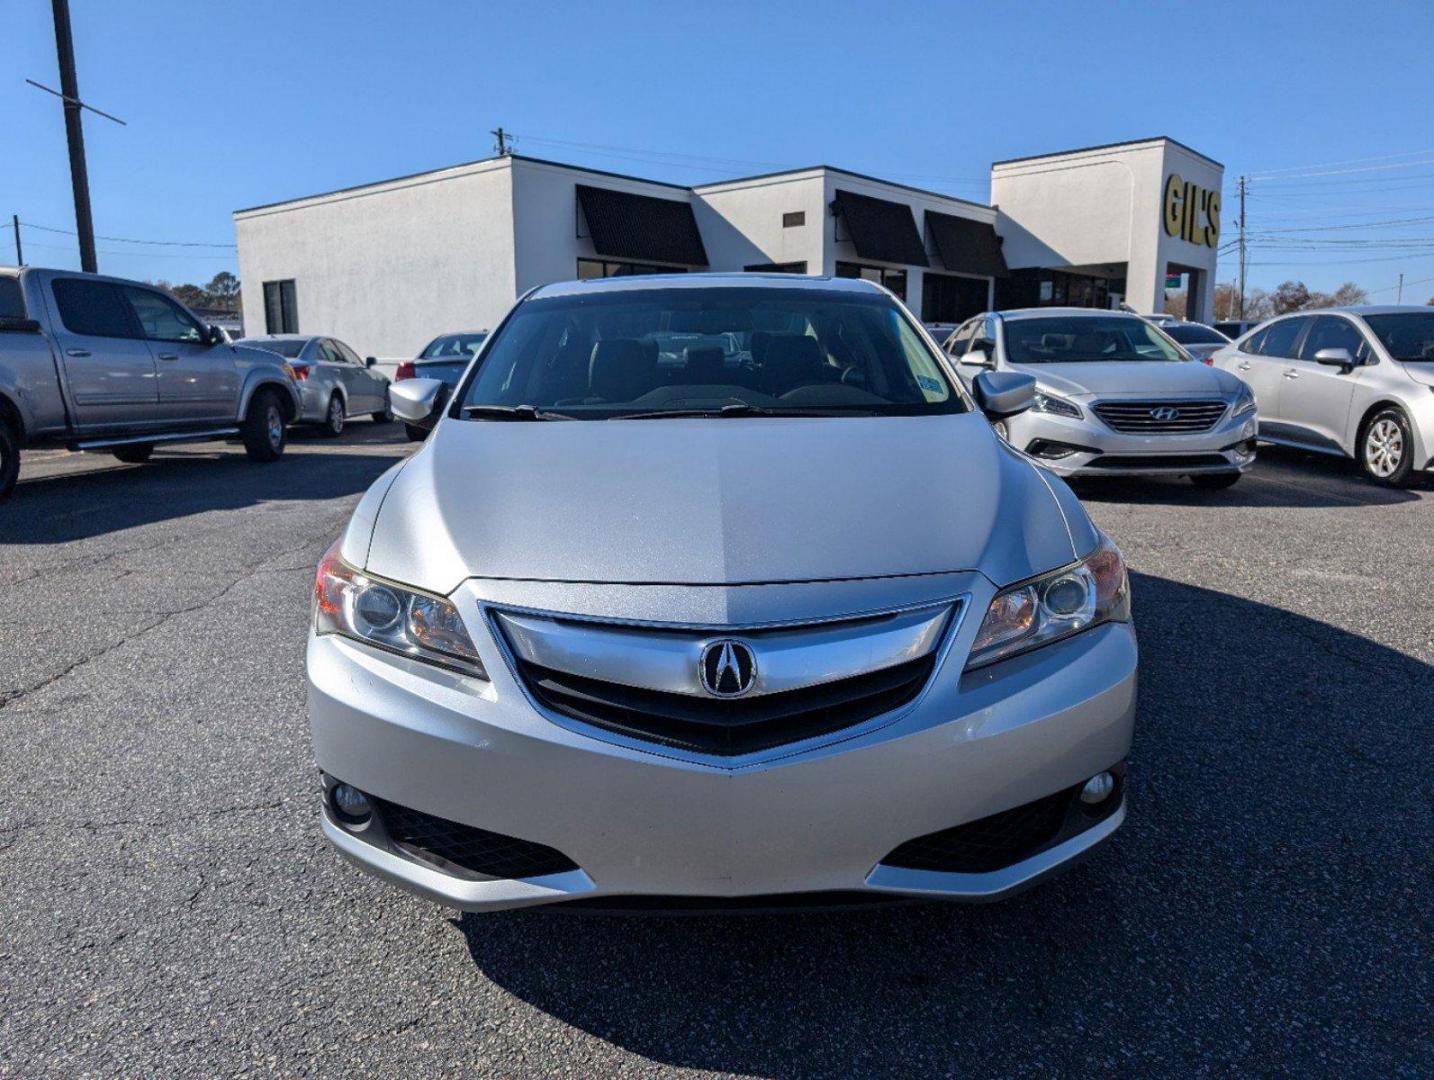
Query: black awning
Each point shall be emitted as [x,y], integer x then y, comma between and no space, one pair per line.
[966,246]
[881,230]
[628,226]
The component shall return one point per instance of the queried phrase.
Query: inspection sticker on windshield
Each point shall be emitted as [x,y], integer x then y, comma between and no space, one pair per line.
[926,382]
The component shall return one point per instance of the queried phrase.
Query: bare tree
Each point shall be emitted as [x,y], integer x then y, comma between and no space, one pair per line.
[1175,304]
[1290,296]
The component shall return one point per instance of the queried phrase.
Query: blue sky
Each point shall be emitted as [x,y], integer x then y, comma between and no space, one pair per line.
[234,104]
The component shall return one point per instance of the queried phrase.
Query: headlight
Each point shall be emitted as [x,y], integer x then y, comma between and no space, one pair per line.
[1244,402]
[1057,406]
[415,624]
[1054,606]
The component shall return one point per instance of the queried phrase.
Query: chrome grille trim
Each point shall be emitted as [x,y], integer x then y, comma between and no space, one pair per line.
[1136,417]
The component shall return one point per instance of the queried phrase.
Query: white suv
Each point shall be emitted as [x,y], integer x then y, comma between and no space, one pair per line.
[1352,381]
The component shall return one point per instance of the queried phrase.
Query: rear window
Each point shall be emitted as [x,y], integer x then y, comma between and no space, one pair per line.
[1194,334]
[93,308]
[12,304]
[288,347]
[815,351]
[458,346]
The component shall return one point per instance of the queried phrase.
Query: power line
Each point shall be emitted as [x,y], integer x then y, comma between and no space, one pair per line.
[128,239]
[1344,172]
[1348,161]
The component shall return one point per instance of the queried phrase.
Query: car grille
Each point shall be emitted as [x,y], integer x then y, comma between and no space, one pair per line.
[727,727]
[1158,461]
[448,844]
[992,843]
[1137,417]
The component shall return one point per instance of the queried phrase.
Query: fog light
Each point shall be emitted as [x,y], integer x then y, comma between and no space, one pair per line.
[352,805]
[1098,788]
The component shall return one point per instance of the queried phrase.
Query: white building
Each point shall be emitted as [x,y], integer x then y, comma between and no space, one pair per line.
[389,265]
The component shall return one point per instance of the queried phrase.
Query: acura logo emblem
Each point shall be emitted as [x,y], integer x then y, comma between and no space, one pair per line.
[1165,412]
[728,668]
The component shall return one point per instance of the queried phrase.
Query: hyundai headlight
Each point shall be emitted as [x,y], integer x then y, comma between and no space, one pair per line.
[1055,405]
[1056,605]
[392,617]
[1244,402]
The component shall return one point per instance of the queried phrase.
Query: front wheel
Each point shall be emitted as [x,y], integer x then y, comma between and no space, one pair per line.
[9,459]
[1215,481]
[384,415]
[135,453]
[1387,449]
[263,428]
[415,434]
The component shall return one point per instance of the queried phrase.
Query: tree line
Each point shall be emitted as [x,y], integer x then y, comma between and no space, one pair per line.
[221,294]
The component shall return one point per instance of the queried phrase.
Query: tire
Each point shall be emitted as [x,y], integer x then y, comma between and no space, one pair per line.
[1386,449]
[1215,481]
[415,434]
[9,459]
[263,429]
[333,425]
[384,415]
[135,453]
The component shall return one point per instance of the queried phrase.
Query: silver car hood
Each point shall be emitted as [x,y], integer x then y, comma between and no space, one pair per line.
[696,501]
[1130,378]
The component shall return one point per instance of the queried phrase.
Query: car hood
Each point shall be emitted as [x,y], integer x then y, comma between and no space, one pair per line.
[1420,371]
[720,501]
[1130,378]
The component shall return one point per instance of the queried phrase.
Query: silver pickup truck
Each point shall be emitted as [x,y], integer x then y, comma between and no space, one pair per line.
[100,363]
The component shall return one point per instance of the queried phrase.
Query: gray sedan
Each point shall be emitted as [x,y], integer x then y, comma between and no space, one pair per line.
[707,587]
[1114,395]
[334,384]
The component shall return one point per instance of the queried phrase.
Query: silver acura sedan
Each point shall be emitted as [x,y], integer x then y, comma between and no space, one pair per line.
[334,384]
[1357,382]
[715,589]
[1115,396]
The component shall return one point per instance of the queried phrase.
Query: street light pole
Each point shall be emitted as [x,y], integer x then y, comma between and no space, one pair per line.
[75,135]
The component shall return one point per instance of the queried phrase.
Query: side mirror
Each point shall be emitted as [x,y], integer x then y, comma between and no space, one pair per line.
[1004,393]
[370,361]
[419,401]
[1338,357]
[214,335]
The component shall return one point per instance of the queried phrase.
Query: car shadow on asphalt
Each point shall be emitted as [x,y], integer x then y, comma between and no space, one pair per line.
[1266,882]
[1281,477]
[65,507]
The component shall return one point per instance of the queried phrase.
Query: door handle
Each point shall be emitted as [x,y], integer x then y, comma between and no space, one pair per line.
[168,356]
[77,352]
[1292,374]
[1244,366]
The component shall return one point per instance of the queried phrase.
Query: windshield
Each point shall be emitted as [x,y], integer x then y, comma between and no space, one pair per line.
[290,347]
[1409,336]
[455,346]
[1085,338]
[660,352]
[1195,334]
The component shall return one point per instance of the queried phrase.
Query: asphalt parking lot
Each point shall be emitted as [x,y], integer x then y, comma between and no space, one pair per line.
[168,907]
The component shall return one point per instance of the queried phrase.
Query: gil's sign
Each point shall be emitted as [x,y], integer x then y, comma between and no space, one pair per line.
[1191,212]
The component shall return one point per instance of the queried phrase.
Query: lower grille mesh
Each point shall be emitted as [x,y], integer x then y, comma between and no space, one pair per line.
[446,844]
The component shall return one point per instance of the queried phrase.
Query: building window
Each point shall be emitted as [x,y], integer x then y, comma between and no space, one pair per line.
[895,280]
[777,268]
[281,307]
[792,219]
[601,268]
[953,299]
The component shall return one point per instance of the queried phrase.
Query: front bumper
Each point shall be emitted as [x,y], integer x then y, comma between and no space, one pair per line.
[645,822]
[1097,450]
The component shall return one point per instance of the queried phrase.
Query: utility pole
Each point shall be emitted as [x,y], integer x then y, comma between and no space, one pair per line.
[502,144]
[1399,298]
[75,135]
[19,251]
[1243,181]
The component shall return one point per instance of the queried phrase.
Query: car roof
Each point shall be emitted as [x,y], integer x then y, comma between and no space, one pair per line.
[733,280]
[1074,312]
[280,337]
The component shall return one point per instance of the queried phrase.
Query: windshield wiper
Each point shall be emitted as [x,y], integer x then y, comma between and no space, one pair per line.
[511,412]
[737,409]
